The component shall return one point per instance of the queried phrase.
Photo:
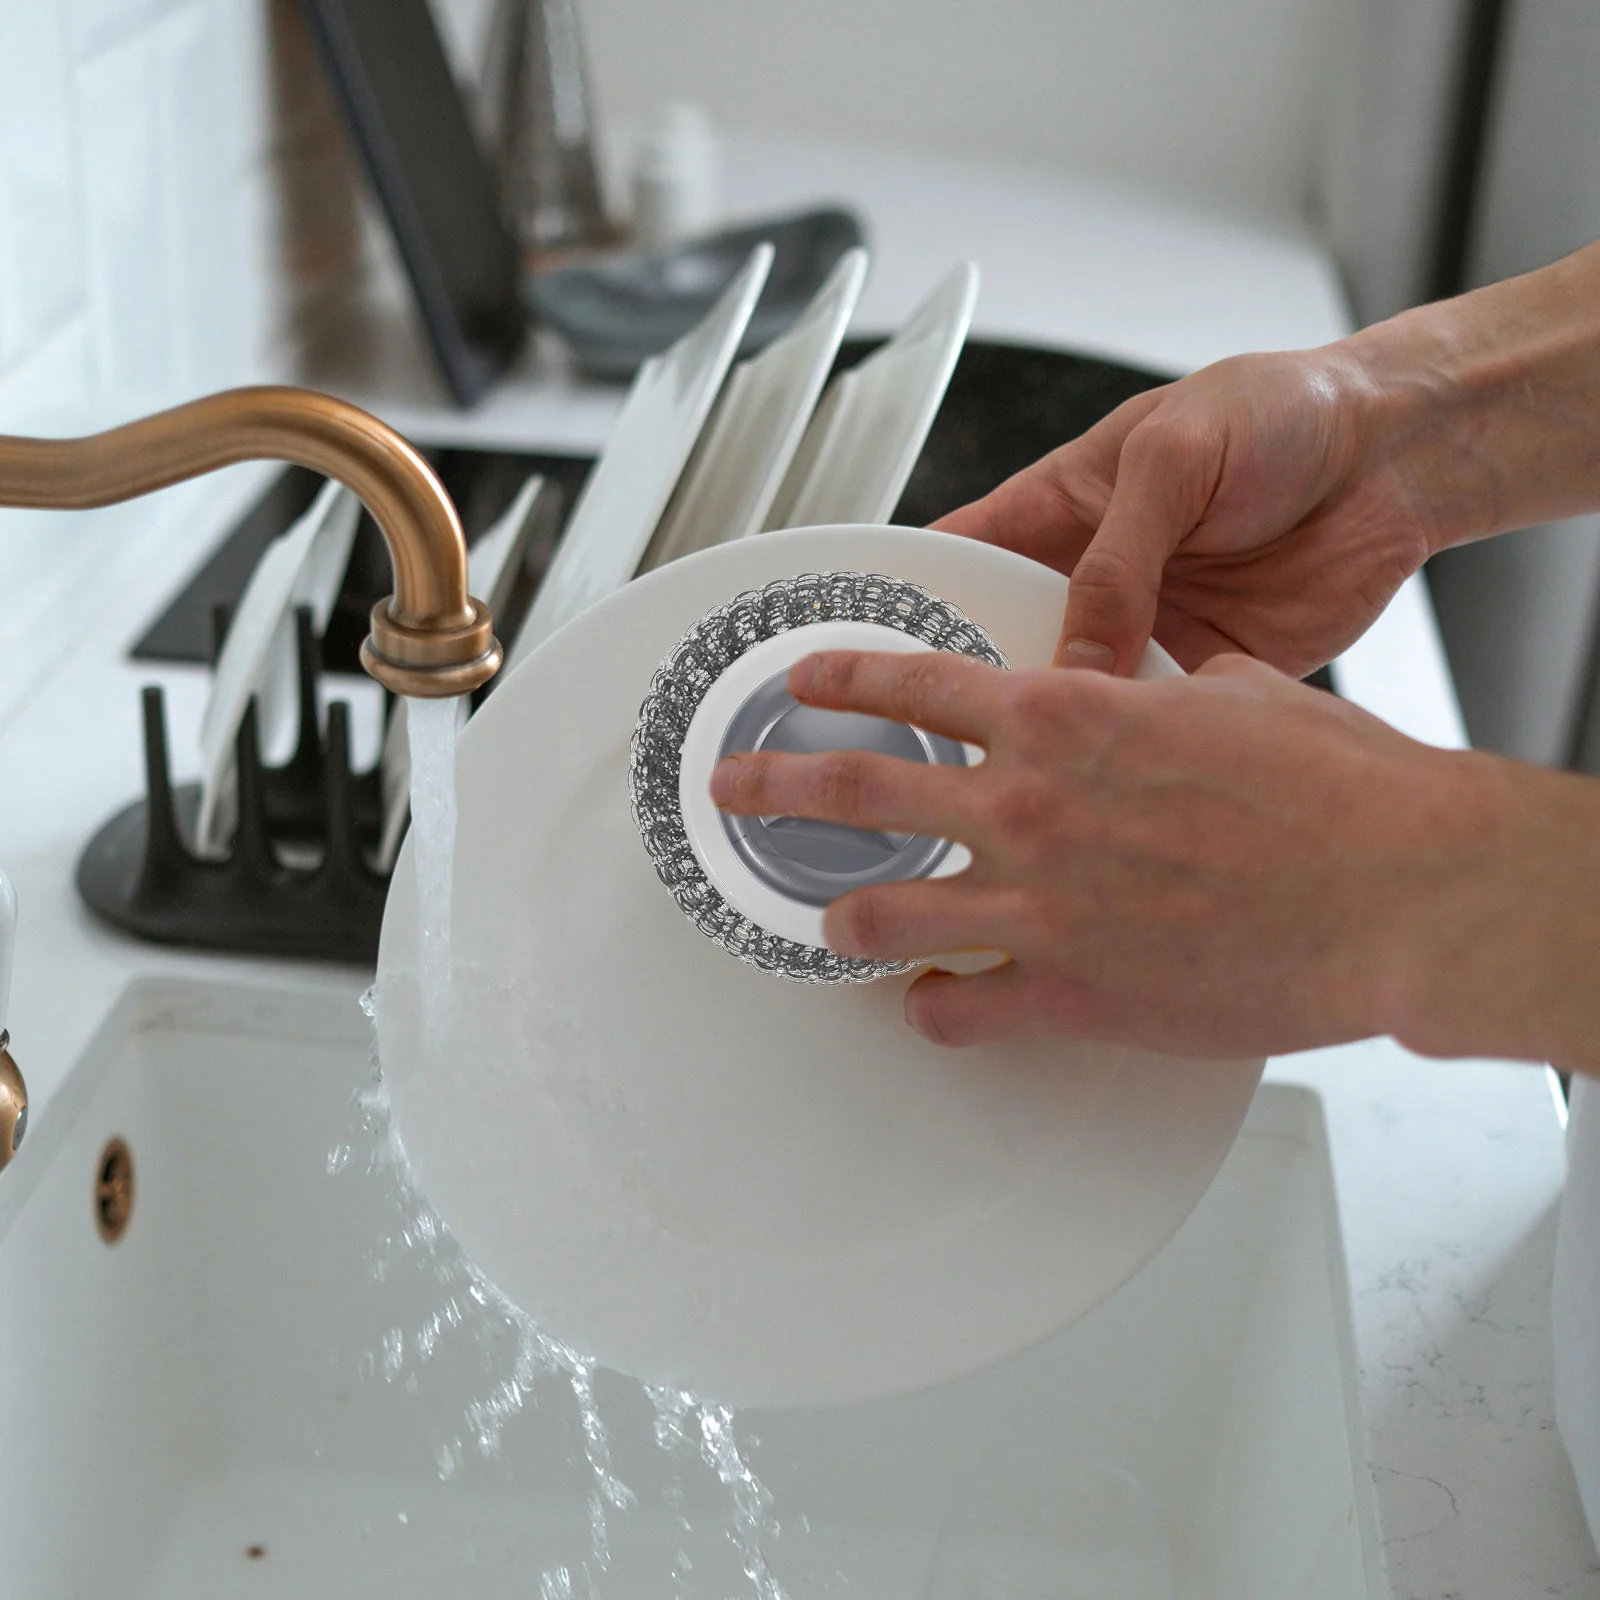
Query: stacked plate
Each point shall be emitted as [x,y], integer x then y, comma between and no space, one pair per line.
[706,451]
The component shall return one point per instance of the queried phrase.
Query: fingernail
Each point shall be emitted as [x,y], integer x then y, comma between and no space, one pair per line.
[1088,655]
[722,778]
[802,675]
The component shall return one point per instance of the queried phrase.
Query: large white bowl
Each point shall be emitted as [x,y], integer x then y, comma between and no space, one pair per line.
[703,1175]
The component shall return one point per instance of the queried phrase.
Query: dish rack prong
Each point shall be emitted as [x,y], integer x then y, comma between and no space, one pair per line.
[297,880]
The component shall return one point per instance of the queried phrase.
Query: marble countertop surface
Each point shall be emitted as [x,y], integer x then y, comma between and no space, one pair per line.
[1448,1174]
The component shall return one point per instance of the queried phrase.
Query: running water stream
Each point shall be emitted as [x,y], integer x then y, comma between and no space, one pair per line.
[432,727]
[687,1428]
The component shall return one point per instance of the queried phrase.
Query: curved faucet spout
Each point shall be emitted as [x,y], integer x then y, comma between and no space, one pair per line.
[430,639]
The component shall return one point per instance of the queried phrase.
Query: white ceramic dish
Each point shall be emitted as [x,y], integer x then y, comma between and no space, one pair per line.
[773,1193]
[302,566]
[628,490]
[495,557]
[729,484]
[860,446]
[336,514]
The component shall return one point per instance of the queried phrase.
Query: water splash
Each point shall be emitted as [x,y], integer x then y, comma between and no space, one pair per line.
[672,1409]
[752,1500]
[687,1428]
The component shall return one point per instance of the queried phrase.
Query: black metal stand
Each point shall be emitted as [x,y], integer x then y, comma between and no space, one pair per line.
[297,883]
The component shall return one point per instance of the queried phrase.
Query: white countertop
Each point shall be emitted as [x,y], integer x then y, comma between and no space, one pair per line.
[1448,1174]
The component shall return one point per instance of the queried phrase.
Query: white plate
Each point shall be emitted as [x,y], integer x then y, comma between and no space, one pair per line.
[644,457]
[860,447]
[258,655]
[729,484]
[336,513]
[770,1192]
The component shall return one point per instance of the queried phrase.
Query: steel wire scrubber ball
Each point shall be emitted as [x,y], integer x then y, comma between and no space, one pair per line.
[758,885]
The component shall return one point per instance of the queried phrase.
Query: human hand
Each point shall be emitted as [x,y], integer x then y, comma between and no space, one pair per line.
[1224,865]
[1268,504]
[1273,503]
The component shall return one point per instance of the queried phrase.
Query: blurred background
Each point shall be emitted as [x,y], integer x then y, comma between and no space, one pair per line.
[180,200]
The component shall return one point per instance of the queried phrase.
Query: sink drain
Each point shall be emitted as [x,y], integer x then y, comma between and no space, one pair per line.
[113,1190]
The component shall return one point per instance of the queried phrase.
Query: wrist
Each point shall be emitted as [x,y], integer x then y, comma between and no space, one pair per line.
[1488,405]
[1427,414]
[1497,949]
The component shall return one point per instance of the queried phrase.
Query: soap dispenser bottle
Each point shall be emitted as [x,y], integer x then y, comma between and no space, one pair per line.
[534,105]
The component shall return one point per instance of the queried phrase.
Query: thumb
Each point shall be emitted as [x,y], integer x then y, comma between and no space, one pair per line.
[1163,485]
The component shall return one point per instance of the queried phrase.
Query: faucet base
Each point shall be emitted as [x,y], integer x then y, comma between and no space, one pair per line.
[13,1103]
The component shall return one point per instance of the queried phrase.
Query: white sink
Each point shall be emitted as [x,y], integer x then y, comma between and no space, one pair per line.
[210,1406]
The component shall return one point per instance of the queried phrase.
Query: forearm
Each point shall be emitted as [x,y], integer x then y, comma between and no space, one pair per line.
[1489,403]
[1499,954]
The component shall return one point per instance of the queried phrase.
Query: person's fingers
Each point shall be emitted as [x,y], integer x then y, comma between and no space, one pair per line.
[977,519]
[1050,509]
[1234,663]
[1002,1003]
[937,690]
[921,917]
[1047,512]
[855,787]
[1165,478]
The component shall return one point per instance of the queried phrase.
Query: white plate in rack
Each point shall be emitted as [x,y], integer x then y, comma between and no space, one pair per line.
[303,565]
[624,496]
[772,1193]
[739,463]
[861,445]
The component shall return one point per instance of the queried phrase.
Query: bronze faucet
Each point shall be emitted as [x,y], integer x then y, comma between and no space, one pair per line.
[430,638]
